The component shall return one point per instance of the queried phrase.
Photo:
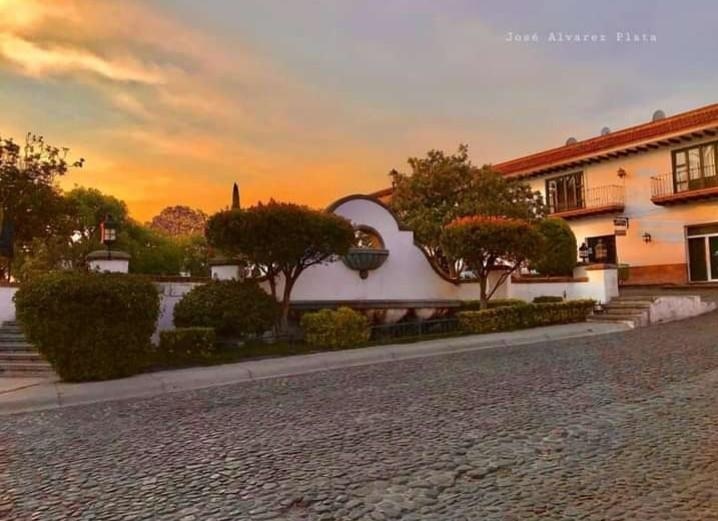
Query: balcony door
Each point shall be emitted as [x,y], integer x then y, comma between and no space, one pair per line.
[694,168]
[565,193]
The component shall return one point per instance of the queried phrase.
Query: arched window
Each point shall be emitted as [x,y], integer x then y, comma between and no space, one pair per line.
[366,237]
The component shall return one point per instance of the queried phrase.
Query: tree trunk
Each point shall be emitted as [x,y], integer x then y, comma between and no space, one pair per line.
[286,301]
[484,298]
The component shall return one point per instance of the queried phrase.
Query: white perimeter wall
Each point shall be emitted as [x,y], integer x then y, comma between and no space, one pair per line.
[7,306]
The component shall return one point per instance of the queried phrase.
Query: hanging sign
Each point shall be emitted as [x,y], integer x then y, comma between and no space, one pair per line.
[620,225]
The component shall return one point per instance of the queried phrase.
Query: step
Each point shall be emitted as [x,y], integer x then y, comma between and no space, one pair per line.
[16,346]
[634,298]
[626,310]
[20,356]
[25,369]
[636,319]
[11,330]
[629,304]
[10,323]
[11,337]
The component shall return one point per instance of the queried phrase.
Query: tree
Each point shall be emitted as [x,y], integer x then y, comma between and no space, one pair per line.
[67,248]
[280,241]
[442,188]
[559,251]
[29,196]
[488,243]
[179,220]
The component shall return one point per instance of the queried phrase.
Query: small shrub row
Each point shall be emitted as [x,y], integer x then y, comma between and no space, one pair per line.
[186,345]
[90,326]
[508,318]
[335,329]
[547,299]
[475,305]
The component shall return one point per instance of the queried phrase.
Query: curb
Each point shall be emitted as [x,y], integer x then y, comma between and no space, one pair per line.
[54,395]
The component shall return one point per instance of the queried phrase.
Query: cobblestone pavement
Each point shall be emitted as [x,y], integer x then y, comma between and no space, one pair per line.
[617,427]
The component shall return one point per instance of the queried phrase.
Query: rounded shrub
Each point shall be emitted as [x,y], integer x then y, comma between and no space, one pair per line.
[232,308]
[335,329]
[90,326]
[557,255]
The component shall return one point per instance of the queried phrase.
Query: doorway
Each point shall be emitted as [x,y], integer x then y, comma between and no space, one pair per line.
[703,253]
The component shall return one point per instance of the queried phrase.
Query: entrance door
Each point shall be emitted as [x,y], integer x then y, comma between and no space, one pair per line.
[698,266]
[713,254]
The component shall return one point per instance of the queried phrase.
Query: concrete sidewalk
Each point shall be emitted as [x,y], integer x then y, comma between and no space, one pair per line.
[26,394]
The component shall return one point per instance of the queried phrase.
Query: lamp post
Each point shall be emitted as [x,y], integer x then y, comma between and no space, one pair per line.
[108,233]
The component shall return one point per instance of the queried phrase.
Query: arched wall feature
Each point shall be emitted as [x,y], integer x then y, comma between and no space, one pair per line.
[406,275]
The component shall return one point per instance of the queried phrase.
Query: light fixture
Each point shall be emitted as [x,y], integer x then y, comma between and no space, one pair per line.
[621,173]
[647,237]
[583,252]
[108,233]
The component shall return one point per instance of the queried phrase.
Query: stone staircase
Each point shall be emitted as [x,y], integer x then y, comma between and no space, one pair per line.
[641,311]
[17,357]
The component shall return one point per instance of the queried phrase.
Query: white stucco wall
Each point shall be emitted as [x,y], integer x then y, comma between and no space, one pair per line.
[666,224]
[170,294]
[7,306]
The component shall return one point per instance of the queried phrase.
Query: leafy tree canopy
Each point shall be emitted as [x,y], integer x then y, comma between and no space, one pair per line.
[179,220]
[281,239]
[491,243]
[441,188]
[29,196]
[559,251]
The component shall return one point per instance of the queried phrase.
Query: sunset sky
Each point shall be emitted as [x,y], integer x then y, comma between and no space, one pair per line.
[170,101]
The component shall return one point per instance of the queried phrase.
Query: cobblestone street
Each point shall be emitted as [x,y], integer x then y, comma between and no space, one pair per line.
[613,427]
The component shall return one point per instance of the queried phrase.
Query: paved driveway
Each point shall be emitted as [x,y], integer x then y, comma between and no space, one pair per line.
[622,426]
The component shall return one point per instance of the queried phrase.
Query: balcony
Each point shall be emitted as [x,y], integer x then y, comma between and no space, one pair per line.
[592,201]
[696,185]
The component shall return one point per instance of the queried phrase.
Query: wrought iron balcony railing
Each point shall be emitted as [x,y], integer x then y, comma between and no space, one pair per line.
[589,201]
[685,185]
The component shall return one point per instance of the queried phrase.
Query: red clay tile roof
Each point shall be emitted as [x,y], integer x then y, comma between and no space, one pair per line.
[646,132]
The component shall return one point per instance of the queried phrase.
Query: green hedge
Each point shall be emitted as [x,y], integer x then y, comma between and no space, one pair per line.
[528,315]
[186,345]
[335,329]
[90,326]
[475,305]
[547,299]
[230,307]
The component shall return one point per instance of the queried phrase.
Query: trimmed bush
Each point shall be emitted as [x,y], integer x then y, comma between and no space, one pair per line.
[558,253]
[475,305]
[546,299]
[232,308]
[186,345]
[335,329]
[508,318]
[90,326]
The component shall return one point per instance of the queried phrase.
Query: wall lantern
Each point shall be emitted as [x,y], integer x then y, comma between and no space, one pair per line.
[108,233]
[621,173]
[647,237]
[583,252]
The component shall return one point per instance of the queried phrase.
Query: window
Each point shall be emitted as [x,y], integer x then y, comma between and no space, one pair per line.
[695,168]
[602,249]
[565,192]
